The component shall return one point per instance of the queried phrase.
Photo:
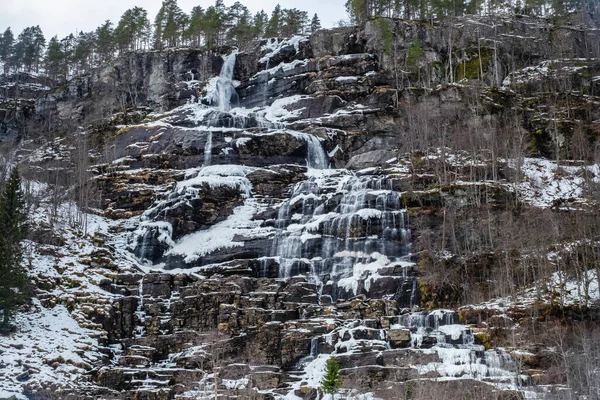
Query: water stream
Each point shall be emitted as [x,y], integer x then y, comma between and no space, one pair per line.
[343,229]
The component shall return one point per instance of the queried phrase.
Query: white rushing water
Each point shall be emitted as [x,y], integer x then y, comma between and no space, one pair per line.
[345,233]
[225,90]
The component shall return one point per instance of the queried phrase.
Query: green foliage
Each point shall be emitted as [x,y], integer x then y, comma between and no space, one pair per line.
[315,23]
[7,41]
[294,22]
[360,11]
[215,26]
[13,278]
[132,29]
[332,380]
[54,57]
[170,24]
[274,25]
[104,41]
[415,52]
[471,69]
[260,23]
[387,34]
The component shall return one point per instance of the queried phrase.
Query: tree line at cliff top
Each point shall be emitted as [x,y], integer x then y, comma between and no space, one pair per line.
[361,10]
[212,27]
[219,25]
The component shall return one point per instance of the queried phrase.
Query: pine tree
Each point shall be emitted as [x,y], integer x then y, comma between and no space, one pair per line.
[332,380]
[28,49]
[240,22]
[67,45]
[54,57]
[39,43]
[84,49]
[105,44]
[13,278]
[260,23]
[195,32]
[131,29]
[213,23]
[6,49]
[170,24]
[315,23]
[274,25]
[293,22]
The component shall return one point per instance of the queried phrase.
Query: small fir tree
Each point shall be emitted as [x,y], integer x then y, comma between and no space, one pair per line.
[332,380]
[13,278]
[315,23]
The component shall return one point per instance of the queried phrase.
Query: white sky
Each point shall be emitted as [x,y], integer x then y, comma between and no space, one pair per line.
[61,17]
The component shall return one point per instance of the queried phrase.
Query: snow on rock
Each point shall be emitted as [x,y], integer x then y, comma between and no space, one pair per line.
[274,46]
[546,183]
[367,272]
[221,235]
[217,175]
[49,347]
[56,342]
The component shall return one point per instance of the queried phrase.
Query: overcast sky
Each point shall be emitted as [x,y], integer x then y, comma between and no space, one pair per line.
[61,17]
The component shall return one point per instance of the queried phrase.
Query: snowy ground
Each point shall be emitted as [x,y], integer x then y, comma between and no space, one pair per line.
[545,183]
[56,343]
[49,348]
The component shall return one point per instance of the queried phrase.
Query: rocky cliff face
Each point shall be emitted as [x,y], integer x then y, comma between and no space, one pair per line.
[319,197]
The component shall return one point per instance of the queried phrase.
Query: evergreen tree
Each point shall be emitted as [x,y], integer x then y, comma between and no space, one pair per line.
[358,10]
[28,49]
[67,45]
[39,44]
[130,31]
[260,23]
[18,55]
[195,31]
[240,21]
[293,22]
[213,25]
[415,52]
[13,278]
[105,45]
[54,57]
[170,24]
[315,23]
[84,51]
[332,380]
[6,49]
[273,27]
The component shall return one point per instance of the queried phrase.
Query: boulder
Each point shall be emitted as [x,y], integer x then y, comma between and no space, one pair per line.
[399,338]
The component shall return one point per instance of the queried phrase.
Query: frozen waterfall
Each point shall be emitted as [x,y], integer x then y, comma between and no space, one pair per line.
[225,90]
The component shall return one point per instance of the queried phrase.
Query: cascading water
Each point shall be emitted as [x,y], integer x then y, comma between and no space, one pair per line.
[441,332]
[342,228]
[220,125]
[264,81]
[140,313]
[208,149]
[225,90]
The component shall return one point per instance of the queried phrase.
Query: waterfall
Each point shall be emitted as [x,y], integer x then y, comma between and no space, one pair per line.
[342,228]
[219,124]
[313,353]
[316,155]
[225,90]
[140,313]
[314,347]
[208,149]
[265,82]
[455,345]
